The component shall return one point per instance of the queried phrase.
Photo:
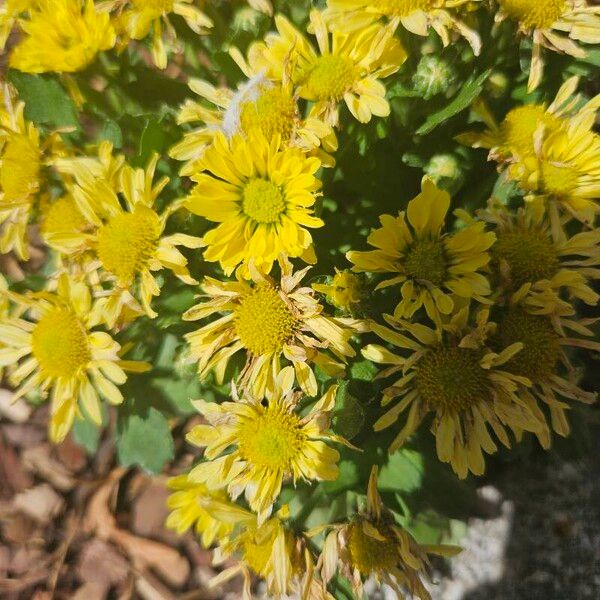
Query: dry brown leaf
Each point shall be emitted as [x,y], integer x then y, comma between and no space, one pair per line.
[39,461]
[71,455]
[41,503]
[166,561]
[149,512]
[17,412]
[100,564]
[149,588]
[91,591]
[13,478]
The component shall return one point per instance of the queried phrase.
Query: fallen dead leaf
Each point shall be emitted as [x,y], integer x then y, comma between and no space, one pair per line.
[41,503]
[18,529]
[90,591]
[149,588]
[13,478]
[39,461]
[71,455]
[100,564]
[17,412]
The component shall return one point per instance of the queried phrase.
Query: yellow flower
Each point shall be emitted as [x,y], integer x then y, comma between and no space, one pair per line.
[345,290]
[62,36]
[142,17]
[346,68]
[544,338]
[4,313]
[127,242]
[258,104]
[452,374]
[430,265]
[262,195]
[532,256]
[190,505]
[57,351]
[9,13]
[372,544]
[272,550]
[417,16]
[514,137]
[269,322]
[268,443]
[565,169]
[22,158]
[264,6]
[554,24]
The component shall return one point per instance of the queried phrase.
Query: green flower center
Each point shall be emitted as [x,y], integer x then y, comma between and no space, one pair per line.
[128,241]
[369,555]
[263,201]
[451,378]
[263,322]
[59,344]
[529,253]
[534,14]
[274,112]
[273,440]
[330,77]
[537,360]
[427,260]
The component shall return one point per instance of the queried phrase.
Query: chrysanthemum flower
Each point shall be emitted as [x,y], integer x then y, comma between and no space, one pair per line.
[262,195]
[270,444]
[533,256]
[22,158]
[271,550]
[545,338]
[514,137]
[565,169]
[61,217]
[140,18]
[190,505]
[9,12]
[56,350]
[452,374]
[430,265]
[345,290]
[127,242]
[372,544]
[62,36]
[346,68]
[264,6]
[554,24]
[270,322]
[417,16]
[258,104]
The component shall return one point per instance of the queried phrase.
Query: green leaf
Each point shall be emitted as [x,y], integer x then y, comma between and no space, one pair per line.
[403,472]
[112,133]
[145,440]
[349,414]
[363,370]
[348,478]
[45,99]
[86,434]
[153,139]
[463,99]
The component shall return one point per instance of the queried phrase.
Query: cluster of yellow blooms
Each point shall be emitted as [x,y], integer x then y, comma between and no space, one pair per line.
[497,289]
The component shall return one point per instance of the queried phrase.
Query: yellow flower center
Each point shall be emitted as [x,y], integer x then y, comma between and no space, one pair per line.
[401,8]
[451,378]
[157,7]
[369,555]
[274,112]
[19,168]
[534,14]
[427,260]
[59,343]
[263,201]
[128,241]
[558,179]
[272,439]
[529,253]
[537,360]
[263,322]
[63,216]
[520,125]
[330,77]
